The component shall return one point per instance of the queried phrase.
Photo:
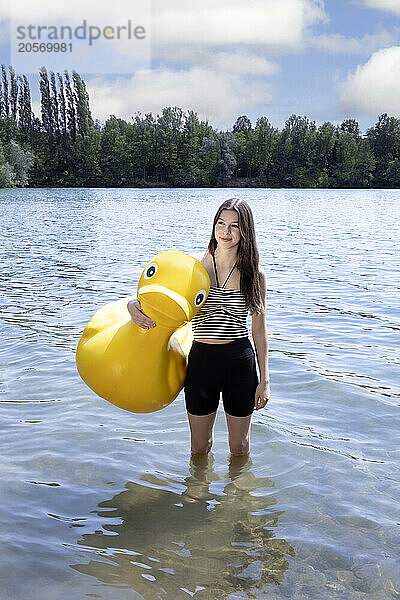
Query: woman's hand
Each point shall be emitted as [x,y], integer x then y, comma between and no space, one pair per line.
[138,316]
[262,395]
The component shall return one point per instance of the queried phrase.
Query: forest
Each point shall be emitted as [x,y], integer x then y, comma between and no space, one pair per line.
[66,147]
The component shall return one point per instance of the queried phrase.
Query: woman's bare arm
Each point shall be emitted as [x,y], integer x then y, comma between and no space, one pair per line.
[138,316]
[260,337]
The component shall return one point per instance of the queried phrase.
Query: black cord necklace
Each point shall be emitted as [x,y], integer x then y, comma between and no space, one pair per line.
[216,274]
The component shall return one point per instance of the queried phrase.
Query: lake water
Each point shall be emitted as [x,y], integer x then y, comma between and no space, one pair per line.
[97,502]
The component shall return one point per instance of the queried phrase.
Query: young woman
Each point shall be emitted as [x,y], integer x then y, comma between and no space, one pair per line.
[222,358]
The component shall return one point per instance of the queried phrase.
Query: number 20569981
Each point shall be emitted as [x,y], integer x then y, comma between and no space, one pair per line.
[44,47]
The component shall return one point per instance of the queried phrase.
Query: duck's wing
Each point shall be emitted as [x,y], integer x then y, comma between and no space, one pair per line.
[182,339]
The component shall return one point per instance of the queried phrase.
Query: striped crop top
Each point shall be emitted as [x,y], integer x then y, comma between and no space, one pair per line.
[223,315]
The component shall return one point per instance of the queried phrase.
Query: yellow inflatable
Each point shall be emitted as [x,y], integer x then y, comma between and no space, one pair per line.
[143,370]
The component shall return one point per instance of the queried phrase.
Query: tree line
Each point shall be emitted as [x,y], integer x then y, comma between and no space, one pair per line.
[66,147]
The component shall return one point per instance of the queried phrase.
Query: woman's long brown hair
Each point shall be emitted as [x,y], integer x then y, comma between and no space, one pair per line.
[247,260]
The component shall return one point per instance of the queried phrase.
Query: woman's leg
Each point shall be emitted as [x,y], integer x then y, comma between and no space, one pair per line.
[238,393]
[238,434]
[201,429]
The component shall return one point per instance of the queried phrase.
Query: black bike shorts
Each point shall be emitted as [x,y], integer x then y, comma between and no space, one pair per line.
[228,368]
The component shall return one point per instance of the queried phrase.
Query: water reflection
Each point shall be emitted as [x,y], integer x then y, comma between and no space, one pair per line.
[216,537]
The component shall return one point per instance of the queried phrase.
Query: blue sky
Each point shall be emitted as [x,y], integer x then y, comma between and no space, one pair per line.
[310,81]
[325,59]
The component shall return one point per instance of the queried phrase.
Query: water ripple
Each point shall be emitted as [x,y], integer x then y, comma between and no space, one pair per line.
[98,502]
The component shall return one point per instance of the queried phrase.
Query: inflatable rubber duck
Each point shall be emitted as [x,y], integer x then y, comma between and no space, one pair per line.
[143,370]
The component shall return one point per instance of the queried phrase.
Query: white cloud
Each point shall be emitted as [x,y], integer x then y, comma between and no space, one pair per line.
[217,96]
[242,63]
[226,48]
[45,12]
[370,42]
[178,24]
[375,86]
[213,56]
[209,24]
[389,5]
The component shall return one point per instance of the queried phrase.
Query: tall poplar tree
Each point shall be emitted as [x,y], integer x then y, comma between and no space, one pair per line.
[71,111]
[5,105]
[46,104]
[13,93]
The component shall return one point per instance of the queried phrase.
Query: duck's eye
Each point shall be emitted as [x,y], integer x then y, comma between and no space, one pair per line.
[200,297]
[151,270]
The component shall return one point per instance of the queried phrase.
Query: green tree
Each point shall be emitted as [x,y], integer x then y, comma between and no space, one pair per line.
[384,138]
[62,104]
[294,160]
[6,171]
[139,139]
[169,138]
[266,138]
[13,93]
[47,109]
[351,160]
[21,162]
[26,118]
[219,152]
[84,119]
[245,147]
[325,144]
[71,111]
[5,100]
[14,165]
[114,156]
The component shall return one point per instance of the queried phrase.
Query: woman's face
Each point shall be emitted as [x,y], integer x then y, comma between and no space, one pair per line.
[227,231]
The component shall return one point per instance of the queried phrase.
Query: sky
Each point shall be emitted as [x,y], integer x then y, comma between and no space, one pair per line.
[328,60]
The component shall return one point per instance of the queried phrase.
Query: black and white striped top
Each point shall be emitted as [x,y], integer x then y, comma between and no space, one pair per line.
[223,316]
